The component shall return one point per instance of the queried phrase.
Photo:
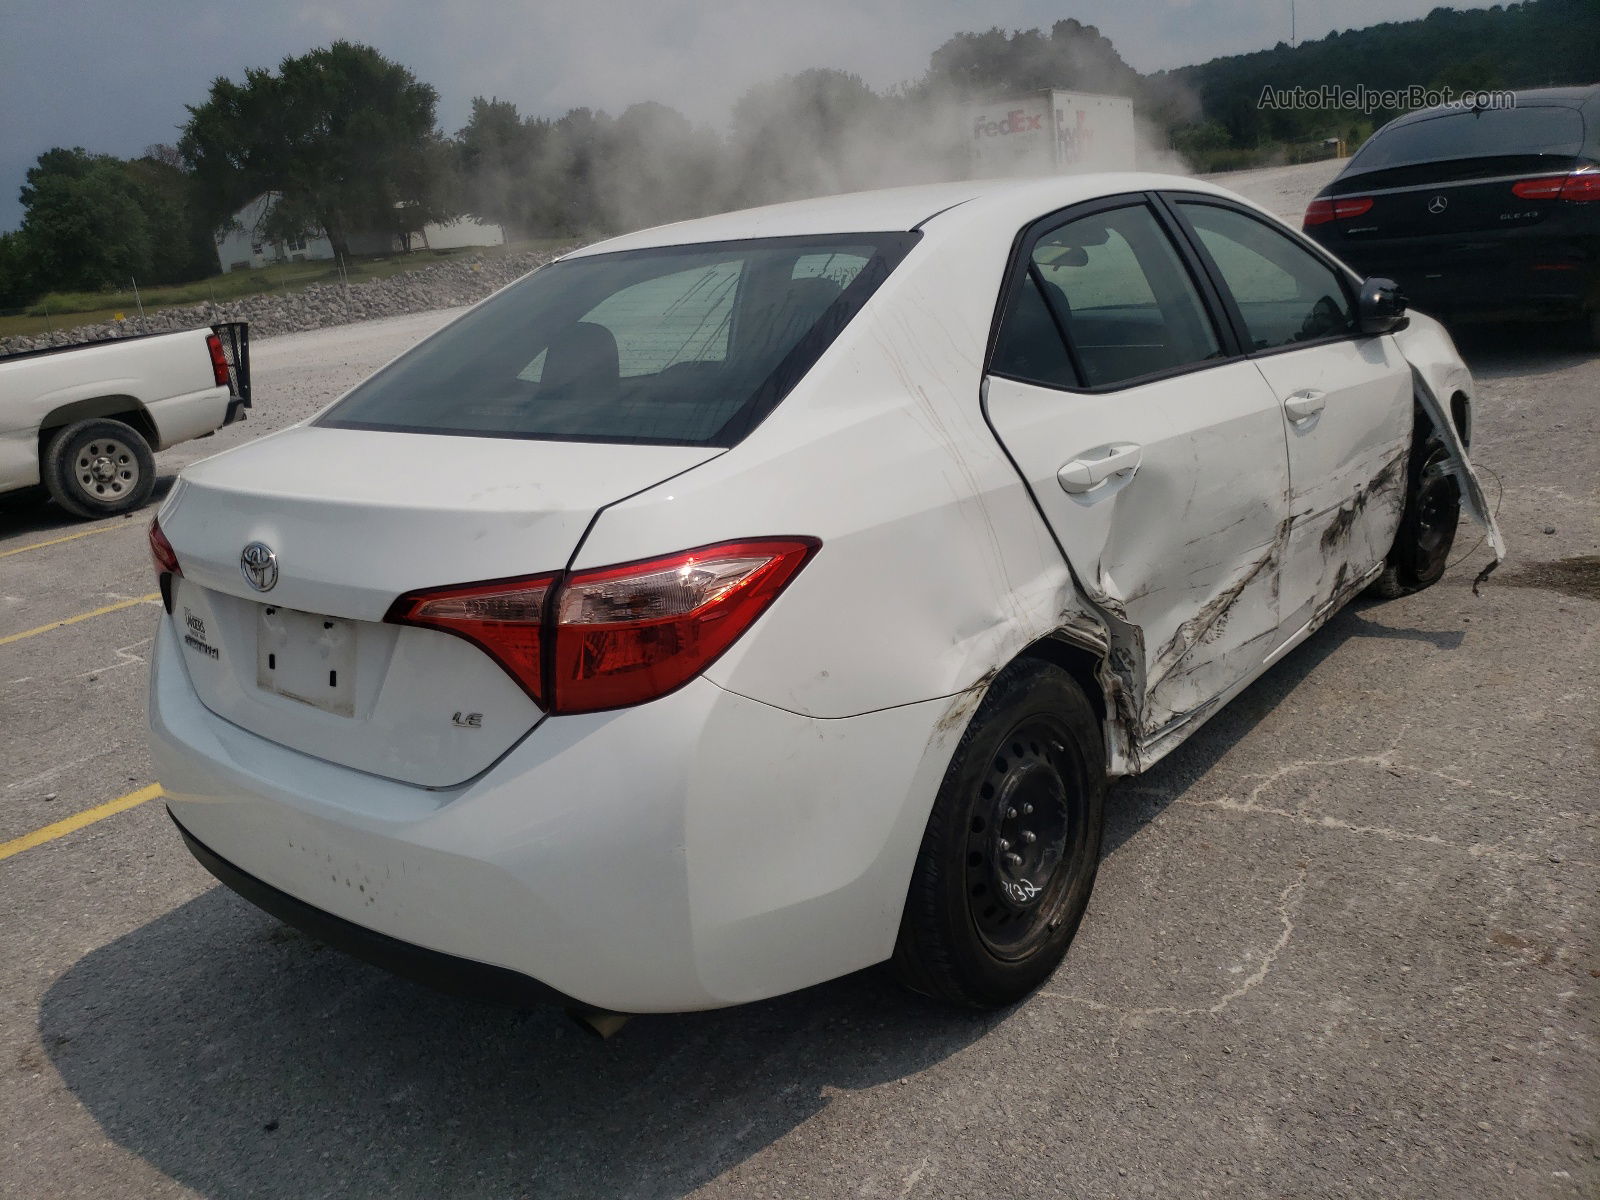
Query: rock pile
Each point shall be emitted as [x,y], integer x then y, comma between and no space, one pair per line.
[459,281]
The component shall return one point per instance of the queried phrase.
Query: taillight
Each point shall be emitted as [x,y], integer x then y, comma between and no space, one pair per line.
[1580,187]
[165,559]
[628,634]
[219,360]
[162,553]
[1320,212]
[615,636]
[504,618]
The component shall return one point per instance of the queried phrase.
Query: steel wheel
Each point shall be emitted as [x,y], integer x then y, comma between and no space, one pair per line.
[1029,822]
[1438,512]
[106,469]
[1009,855]
[98,468]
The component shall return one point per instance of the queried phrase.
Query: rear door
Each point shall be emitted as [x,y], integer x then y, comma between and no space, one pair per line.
[1345,400]
[1154,451]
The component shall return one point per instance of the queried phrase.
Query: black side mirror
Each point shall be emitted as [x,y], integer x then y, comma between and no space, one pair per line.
[1382,307]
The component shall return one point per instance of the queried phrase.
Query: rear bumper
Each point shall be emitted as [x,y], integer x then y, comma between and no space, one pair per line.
[1552,277]
[698,851]
[443,972]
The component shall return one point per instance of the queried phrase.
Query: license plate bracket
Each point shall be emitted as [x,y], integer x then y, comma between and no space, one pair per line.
[308,658]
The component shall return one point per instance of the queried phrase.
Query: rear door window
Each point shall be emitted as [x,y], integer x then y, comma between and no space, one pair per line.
[685,346]
[1115,284]
[1285,294]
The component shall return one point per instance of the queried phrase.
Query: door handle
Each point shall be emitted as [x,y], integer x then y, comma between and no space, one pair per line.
[1095,467]
[1305,404]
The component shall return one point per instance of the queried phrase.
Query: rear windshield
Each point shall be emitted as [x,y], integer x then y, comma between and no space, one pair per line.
[1491,133]
[677,346]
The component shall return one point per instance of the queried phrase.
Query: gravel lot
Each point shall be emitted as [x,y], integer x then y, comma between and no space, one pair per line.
[1343,942]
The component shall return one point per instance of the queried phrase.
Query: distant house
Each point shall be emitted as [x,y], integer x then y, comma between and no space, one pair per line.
[241,246]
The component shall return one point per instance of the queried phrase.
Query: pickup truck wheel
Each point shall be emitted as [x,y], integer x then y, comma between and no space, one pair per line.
[1427,527]
[1012,846]
[98,468]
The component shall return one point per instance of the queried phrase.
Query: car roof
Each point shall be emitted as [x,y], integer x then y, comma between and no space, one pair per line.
[888,210]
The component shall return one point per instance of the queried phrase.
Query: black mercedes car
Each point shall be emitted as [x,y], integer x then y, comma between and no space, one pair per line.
[1478,213]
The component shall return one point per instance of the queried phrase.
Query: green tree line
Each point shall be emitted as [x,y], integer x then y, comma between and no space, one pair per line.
[348,141]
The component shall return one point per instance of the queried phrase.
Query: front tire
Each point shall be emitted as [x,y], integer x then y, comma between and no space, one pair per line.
[1428,524]
[1012,846]
[98,468]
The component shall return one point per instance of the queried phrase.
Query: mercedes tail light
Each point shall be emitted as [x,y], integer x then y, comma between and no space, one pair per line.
[615,636]
[1342,208]
[1580,187]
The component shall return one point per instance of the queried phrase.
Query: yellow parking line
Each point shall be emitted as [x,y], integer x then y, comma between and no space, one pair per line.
[99,612]
[78,820]
[71,537]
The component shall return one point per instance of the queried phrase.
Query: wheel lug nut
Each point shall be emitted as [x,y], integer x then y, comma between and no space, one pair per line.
[1028,837]
[1004,845]
[1028,809]
[1014,859]
[1011,814]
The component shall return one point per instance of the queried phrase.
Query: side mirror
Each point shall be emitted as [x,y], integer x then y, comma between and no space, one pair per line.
[1382,308]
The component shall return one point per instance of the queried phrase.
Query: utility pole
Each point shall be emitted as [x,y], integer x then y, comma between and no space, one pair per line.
[1292,42]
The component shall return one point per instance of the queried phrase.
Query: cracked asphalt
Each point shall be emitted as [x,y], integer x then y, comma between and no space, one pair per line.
[1342,944]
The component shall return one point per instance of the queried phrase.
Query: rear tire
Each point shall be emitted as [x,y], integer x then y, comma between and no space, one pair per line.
[1428,524]
[1588,330]
[98,468]
[1012,846]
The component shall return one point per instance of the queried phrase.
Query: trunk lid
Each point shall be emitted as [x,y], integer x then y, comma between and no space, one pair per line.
[356,518]
[1468,196]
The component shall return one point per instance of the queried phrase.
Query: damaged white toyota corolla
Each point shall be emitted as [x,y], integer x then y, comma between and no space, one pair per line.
[733,605]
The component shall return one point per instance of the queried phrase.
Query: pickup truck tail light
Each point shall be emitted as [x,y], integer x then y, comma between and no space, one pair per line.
[219,360]
[615,636]
[1580,187]
[1342,208]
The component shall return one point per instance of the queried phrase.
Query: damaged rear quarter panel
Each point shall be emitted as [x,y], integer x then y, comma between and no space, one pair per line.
[935,569]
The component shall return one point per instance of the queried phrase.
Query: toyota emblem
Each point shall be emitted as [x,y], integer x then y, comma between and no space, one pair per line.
[1438,204]
[259,565]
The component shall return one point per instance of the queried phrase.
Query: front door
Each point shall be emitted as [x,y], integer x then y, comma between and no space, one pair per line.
[1345,398]
[1155,452]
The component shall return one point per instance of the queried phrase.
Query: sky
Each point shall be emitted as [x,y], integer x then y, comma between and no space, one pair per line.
[114,76]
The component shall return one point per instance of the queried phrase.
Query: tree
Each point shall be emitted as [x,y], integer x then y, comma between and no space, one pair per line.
[342,136]
[495,162]
[655,166]
[803,136]
[180,243]
[17,288]
[83,223]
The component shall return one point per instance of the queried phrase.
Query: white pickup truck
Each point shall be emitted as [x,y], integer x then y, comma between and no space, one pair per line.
[85,420]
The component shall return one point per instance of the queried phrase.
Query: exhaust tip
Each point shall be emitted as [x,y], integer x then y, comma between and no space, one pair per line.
[601,1024]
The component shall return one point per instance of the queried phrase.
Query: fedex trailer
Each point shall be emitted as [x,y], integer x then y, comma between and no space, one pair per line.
[1052,131]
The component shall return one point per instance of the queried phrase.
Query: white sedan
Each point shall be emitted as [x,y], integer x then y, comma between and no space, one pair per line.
[737,604]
